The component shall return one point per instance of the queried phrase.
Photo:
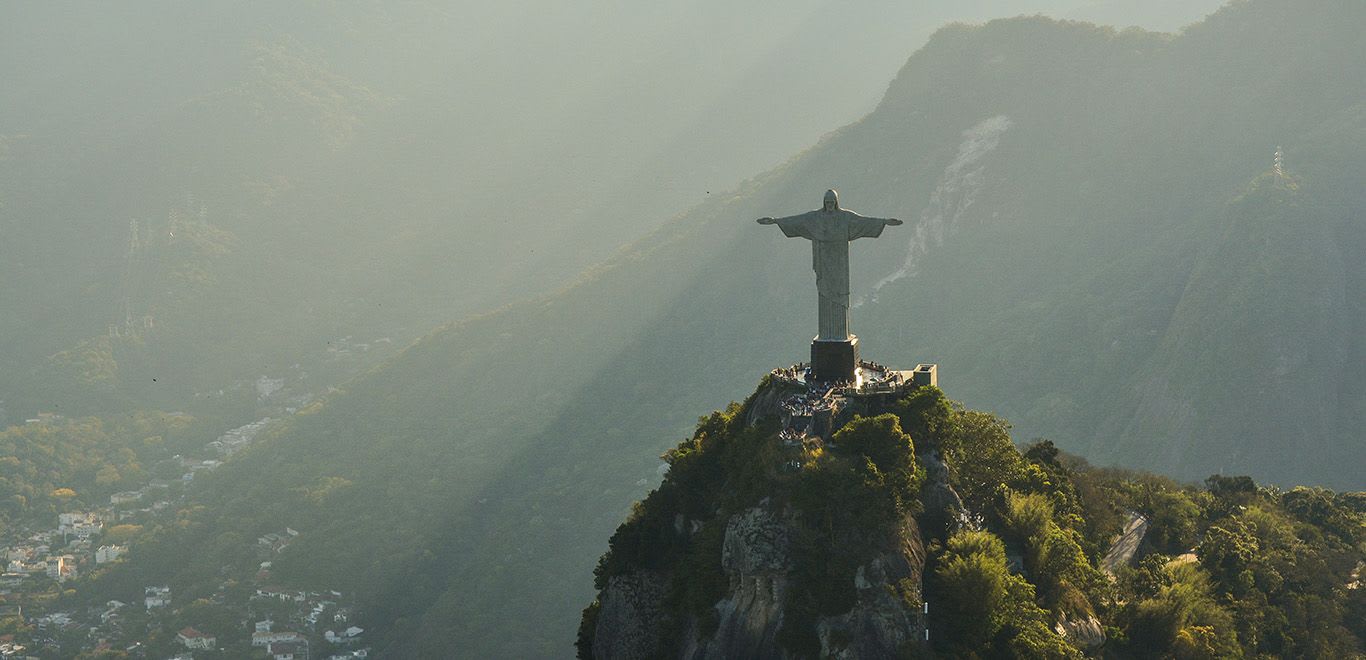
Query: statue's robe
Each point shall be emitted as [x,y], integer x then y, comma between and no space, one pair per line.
[830,233]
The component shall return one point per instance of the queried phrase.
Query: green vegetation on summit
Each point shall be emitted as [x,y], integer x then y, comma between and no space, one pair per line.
[1015,570]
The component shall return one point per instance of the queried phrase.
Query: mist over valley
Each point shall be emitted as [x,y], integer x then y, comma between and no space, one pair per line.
[359,327]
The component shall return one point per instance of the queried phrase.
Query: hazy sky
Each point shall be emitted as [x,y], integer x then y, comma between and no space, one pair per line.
[518,141]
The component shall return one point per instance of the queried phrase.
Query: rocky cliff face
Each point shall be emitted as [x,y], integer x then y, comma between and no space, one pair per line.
[774,537]
[628,623]
[757,556]
[882,623]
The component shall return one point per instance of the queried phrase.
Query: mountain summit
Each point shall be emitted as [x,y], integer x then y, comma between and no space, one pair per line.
[880,520]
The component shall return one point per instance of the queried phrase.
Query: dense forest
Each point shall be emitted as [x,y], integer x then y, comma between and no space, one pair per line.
[1230,569]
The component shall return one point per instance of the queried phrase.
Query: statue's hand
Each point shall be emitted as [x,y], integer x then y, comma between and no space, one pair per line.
[767,221]
[894,222]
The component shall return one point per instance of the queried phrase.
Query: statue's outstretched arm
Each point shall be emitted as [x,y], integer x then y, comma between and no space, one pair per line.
[862,226]
[794,226]
[886,221]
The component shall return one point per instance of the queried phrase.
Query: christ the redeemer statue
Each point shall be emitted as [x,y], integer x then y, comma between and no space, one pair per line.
[834,353]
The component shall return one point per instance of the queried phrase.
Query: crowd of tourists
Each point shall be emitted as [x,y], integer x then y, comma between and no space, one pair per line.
[791,436]
[793,374]
[808,403]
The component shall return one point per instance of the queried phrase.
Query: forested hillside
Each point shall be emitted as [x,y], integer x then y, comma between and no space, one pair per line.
[1092,224]
[820,547]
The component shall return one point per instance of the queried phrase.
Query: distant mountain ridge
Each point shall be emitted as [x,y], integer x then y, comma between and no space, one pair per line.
[1076,193]
[373,160]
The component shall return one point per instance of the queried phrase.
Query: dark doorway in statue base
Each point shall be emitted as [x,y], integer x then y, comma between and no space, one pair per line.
[833,361]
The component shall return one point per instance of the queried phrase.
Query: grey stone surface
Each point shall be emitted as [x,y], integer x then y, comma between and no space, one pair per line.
[1122,550]
[830,228]
[940,498]
[1084,631]
[880,625]
[756,555]
[757,542]
[629,621]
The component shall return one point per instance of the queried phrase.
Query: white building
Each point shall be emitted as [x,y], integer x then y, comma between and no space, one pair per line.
[266,638]
[108,553]
[19,566]
[193,639]
[61,567]
[347,636]
[157,597]
[78,523]
[295,650]
[111,610]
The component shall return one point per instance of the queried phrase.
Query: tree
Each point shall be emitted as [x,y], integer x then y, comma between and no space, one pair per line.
[1225,552]
[981,609]
[970,589]
[107,475]
[880,439]
[1183,618]
[926,415]
[1173,519]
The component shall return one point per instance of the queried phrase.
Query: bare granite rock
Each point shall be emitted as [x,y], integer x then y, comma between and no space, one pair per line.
[1086,632]
[885,620]
[756,555]
[628,623]
[938,495]
[1122,550]
[757,542]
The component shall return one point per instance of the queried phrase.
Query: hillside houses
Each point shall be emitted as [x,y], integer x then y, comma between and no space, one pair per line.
[40,557]
[111,611]
[108,553]
[235,440]
[54,620]
[282,595]
[17,567]
[81,524]
[193,639]
[61,567]
[267,637]
[349,636]
[294,650]
[274,542]
[26,561]
[154,597]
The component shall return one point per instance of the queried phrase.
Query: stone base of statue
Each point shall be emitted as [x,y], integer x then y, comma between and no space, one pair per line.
[833,361]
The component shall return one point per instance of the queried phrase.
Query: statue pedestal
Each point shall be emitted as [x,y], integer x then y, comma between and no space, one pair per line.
[834,360]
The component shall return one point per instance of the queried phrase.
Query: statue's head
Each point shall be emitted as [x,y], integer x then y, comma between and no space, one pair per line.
[832,200]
